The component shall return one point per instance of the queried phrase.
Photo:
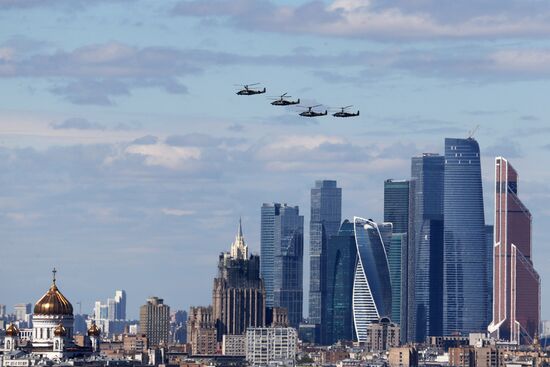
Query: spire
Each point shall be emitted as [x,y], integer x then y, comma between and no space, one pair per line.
[239,250]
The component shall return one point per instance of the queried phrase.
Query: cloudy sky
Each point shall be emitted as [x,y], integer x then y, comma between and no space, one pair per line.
[126,158]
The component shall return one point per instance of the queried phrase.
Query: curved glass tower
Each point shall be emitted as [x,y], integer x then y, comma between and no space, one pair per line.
[372,293]
[465,255]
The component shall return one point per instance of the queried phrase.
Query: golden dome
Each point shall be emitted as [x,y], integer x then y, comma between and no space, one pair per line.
[12,330]
[94,330]
[53,302]
[60,330]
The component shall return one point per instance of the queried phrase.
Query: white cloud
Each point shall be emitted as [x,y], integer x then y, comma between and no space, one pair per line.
[165,155]
[177,212]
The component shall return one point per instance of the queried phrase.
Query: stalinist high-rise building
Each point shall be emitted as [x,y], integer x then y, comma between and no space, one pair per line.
[238,295]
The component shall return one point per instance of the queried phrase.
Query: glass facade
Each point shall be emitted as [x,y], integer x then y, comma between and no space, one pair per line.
[282,255]
[516,284]
[326,216]
[395,256]
[372,293]
[465,257]
[424,304]
[396,205]
[341,255]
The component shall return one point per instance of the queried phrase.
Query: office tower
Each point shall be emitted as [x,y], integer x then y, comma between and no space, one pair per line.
[111,309]
[372,285]
[154,321]
[120,302]
[201,330]
[516,287]
[341,257]
[2,311]
[238,295]
[396,260]
[282,244]
[396,211]
[489,229]
[425,249]
[178,327]
[396,204]
[464,256]
[271,344]
[21,310]
[326,216]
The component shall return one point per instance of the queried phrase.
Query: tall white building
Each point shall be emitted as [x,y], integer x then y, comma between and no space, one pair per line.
[114,309]
[268,344]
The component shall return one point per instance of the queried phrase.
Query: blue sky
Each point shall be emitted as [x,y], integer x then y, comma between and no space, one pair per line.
[127,158]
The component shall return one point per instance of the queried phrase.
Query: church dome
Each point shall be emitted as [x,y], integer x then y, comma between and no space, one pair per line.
[12,330]
[94,330]
[53,302]
[60,330]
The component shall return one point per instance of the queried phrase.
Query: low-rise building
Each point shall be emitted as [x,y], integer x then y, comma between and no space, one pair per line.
[267,345]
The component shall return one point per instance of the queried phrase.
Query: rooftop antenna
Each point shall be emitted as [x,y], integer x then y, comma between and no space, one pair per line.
[472,132]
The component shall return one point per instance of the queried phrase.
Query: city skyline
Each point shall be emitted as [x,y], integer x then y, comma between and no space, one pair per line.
[124,146]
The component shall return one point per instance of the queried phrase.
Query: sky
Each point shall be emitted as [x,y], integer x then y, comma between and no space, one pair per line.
[126,157]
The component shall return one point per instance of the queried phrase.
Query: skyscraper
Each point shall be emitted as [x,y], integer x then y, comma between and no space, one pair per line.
[326,216]
[372,284]
[120,305]
[154,321]
[465,256]
[282,244]
[341,257]
[516,288]
[489,240]
[238,295]
[424,305]
[396,211]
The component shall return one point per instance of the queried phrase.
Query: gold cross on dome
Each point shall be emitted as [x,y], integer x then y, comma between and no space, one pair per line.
[53,272]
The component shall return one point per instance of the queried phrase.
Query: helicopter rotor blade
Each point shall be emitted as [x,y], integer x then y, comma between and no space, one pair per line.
[347,106]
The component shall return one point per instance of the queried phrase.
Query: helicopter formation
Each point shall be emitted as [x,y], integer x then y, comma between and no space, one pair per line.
[284,100]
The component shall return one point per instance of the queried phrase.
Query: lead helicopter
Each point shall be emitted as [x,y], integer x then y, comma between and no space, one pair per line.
[343,113]
[283,101]
[247,91]
[311,113]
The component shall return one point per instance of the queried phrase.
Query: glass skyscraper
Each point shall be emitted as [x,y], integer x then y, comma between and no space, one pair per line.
[326,216]
[341,258]
[465,256]
[516,287]
[425,249]
[282,255]
[372,293]
[396,211]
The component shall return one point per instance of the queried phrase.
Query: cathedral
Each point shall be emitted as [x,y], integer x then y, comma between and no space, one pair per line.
[52,334]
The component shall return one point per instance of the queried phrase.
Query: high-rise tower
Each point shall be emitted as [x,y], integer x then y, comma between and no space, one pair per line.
[516,287]
[238,295]
[423,306]
[326,216]
[465,255]
[154,321]
[372,294]
[282,244]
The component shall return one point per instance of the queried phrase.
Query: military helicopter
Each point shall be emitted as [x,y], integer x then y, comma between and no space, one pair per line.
[281,101]
[342,113]
[310,113]
[246,91]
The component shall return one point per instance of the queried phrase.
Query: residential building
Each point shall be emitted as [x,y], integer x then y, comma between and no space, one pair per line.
[201,331]
[372,284]
[238,295]
[267,345]
[341,259]
[382,335]
[154,321]
[403,357]
[464,256]
[422,299]
[326,216]
[516,287]
[234,345]
[282,243]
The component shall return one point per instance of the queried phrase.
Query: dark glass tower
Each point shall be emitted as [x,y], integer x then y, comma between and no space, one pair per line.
[425,252]
[282,244]
[396,211]
[341,255]
[465,256]
[326,216]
